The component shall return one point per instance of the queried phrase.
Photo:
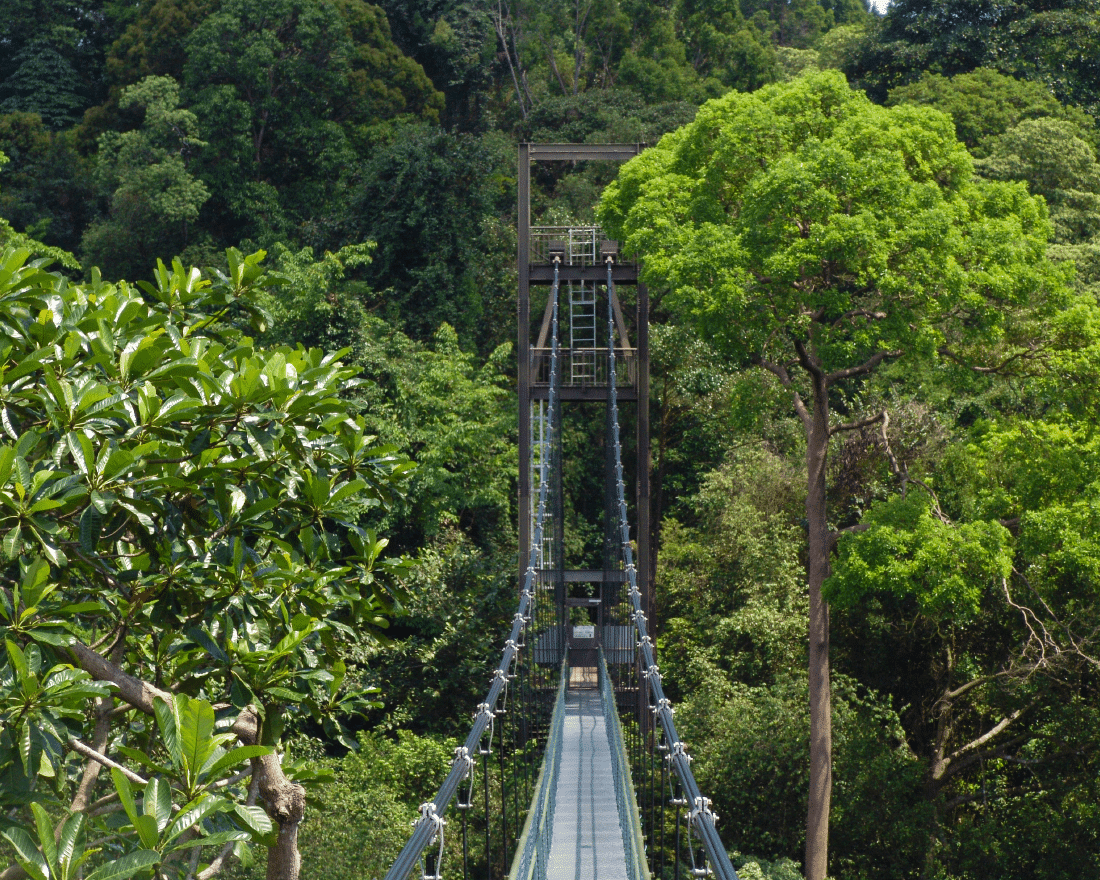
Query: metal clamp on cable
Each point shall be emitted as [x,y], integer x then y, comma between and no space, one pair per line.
[511,643]
[462,756]
[701,808]
[679,750]
[501,676]
[663,703]
[522,621]
[486,709]
[652,671]
[429,816]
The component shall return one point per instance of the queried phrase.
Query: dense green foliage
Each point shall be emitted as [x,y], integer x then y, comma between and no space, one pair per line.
[204,474]
[192,507]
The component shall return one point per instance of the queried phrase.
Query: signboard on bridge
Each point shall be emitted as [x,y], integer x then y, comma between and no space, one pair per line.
[588,631]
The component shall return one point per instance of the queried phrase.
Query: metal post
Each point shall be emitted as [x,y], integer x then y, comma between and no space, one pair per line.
[645,558]
[523,354]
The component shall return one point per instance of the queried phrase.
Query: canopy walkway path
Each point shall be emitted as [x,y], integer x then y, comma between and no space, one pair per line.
[573,769]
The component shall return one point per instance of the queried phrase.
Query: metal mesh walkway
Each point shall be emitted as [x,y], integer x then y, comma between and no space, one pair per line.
[587,842]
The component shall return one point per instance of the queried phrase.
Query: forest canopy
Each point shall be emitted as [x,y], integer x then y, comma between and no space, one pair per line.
[258,441]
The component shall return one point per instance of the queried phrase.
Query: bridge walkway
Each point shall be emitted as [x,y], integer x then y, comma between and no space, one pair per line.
[587,839]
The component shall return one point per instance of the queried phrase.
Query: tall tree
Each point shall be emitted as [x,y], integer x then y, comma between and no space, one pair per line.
[1052,42]
[154,198]
[985,104]
[48,189]
[286,93]
[815,235]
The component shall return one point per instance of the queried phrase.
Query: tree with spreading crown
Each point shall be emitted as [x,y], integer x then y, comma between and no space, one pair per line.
[817,236]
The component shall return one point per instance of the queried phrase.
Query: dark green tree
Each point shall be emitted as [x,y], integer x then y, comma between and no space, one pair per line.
[47,189]
[45,83]
[286,94]
[438,205]
[146,173]
[52,55]
[1054,43]
[985,104]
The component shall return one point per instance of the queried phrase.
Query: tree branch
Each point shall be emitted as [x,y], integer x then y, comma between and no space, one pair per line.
[784,377]
[137,693]
[808,363]
[989,734]
[834,535]
[859,313]
[88,752]
[855,426]
[1026,354]
[866,367]
[901,471]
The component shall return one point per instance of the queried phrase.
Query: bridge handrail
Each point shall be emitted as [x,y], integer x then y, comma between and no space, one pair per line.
[430,824]
[633,841]
[700,818]
[533,848]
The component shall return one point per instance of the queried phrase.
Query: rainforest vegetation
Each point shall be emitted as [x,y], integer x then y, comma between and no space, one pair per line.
[258,435]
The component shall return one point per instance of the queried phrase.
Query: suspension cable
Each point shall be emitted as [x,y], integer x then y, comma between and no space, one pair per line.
[701,819]
[428,826]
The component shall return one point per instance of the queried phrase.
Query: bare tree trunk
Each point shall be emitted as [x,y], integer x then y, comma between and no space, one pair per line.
[519,78]
[286,804]
[817,565]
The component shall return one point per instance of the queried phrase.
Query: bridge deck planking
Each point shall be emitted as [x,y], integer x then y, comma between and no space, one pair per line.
[587,841]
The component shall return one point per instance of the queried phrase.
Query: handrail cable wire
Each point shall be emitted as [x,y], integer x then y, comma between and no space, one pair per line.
[701,819]
[427,828]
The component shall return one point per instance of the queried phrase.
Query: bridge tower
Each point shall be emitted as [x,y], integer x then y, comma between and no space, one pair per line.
[585,301]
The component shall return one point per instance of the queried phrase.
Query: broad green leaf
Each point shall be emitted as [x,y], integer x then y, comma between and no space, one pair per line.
[125,794]
[13,542]
[219,838]
[18,659]
[34,581]
[91,523]
[44,826]
[169,723]
[195,812]
[197,726]
[25,742]
[253,818]
[146,827]
[158,801]
[30,859]
[232,758]
[69,841]
[127,866]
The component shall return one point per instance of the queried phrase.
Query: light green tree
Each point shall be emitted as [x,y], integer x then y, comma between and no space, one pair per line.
[816,235]
[998,578]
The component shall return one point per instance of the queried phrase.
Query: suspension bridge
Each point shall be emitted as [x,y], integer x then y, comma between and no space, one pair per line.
[573,769]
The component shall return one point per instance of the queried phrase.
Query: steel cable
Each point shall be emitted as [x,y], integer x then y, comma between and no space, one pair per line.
[425,832]
[701,819]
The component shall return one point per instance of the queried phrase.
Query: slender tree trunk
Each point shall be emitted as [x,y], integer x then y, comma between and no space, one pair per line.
[821,720]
